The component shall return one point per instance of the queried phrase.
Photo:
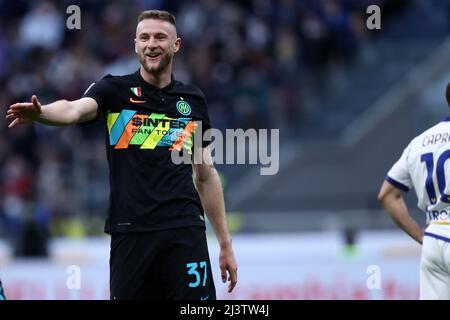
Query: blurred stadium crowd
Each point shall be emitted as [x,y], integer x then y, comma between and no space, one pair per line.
[251,58]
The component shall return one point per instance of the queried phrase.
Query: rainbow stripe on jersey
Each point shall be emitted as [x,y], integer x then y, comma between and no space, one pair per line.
[149,130]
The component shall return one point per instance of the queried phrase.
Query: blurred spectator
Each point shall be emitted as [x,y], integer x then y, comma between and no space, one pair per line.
[42,26]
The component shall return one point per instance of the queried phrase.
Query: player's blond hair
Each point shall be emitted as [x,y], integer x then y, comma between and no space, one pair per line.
[157,15]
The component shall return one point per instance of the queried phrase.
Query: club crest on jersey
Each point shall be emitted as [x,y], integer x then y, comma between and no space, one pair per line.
[183,107]
[137,91]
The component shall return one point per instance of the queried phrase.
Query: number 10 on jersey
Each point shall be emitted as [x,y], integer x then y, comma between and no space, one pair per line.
[440,176]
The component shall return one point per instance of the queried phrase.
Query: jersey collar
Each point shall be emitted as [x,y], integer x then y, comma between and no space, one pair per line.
[153,88]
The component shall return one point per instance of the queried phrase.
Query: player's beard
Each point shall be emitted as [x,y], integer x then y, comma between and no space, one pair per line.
[164,61]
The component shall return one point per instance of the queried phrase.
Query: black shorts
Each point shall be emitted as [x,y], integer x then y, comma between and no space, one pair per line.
[161,265]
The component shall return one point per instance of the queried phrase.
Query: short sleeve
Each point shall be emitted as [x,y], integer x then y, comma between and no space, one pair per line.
[399,175]
[101,92]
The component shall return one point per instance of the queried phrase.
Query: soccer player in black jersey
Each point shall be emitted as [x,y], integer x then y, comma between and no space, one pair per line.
[155,218]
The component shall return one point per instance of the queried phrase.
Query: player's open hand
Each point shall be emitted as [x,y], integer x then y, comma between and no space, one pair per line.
[227,263]
[24,112]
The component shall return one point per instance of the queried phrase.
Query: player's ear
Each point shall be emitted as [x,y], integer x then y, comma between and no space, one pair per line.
[135,45]
[176,45]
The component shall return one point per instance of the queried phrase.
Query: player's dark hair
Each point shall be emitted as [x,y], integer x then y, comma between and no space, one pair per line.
[447,94]
[157,15]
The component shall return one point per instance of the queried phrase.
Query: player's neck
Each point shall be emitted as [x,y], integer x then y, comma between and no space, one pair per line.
[160,80]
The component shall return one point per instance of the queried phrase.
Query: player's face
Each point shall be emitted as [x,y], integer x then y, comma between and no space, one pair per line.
[156,43]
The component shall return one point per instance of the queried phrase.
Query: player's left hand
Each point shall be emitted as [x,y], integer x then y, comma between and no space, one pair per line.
[227,263]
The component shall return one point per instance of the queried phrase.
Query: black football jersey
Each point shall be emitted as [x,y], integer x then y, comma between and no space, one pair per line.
[144,124]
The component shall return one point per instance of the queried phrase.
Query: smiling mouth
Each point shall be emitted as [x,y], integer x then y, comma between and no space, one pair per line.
[153,56]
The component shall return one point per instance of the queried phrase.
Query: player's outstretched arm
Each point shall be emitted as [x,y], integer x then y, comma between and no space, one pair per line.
[392,200]
[61,112]
[208,185]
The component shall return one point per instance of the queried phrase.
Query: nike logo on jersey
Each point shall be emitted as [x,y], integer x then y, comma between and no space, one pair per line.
[137,101]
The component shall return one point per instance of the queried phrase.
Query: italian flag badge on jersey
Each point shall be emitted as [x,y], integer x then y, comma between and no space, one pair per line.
[136,91]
